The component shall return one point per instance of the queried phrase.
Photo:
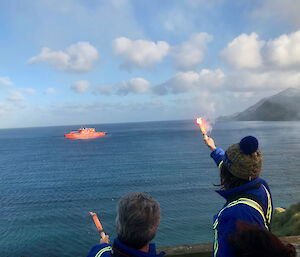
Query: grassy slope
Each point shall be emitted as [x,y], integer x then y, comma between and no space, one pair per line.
[287,223]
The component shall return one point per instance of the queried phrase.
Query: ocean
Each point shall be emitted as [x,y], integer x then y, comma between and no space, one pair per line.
[48,184]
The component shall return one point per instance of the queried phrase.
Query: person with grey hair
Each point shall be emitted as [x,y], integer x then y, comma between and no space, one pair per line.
[138,217]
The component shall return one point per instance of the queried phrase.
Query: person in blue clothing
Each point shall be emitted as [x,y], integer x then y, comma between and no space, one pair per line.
[138,218]
[247,196]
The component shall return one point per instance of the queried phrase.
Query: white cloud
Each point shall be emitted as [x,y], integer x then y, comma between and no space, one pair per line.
[262,81]
[174,20]
[202,3]
[248,52]
[15,96]
[185,81]
[243,52]
[103,90]
[135,85]
[191,53]
[279,11]
[139,53]
[5,81]
[50,91]
[6,109]
[29,91]
[182,82]
[284,51]
[80,86]
[79,57]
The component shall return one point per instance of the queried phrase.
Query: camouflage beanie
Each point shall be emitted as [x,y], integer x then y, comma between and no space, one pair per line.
[244,160]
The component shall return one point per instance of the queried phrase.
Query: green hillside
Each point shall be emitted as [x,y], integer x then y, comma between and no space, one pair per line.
[287,223]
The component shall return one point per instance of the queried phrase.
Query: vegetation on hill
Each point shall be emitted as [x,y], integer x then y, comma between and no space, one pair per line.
[287,223]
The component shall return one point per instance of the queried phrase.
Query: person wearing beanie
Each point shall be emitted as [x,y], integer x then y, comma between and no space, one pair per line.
[248,197]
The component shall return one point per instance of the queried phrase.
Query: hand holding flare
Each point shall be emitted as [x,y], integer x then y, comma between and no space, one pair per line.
[208,140]
[98,224]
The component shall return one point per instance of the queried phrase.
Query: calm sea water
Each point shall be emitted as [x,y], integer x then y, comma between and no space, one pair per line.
[48,184]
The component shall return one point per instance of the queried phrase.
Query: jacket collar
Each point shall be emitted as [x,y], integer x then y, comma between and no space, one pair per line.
[230,193]
[128,251]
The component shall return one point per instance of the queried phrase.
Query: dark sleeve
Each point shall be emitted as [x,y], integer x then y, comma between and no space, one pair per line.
[103,250]
[217,155]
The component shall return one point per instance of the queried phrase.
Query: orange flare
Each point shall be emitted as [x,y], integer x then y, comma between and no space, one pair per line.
[201,123]
[98,224]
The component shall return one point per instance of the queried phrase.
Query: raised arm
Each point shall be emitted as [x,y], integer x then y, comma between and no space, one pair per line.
[217,153]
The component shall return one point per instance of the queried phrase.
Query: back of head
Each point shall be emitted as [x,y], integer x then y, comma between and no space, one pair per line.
[244,160]
[254,241]
[137,219]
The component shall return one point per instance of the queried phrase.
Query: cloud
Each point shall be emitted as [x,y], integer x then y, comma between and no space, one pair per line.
[279,11]
[5,81]
[80,86]
[78,57]
[103,90]
[6,109]
[284,51]
[187,81]
[202,3]
[144,54]
[135,85]
[191,53]
[174,20]
[15,96]
[273,80]
[248,52]
[139,53]
[50,91]
[243,52]
[181,82]
[29,91]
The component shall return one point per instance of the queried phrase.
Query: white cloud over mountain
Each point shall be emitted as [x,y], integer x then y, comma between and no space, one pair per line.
[79,57]
[139,53]
[273,80]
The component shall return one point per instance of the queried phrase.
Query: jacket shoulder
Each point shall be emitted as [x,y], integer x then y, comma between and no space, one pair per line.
[103,250]
[241,212]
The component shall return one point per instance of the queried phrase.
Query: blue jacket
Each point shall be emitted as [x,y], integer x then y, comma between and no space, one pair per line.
[251,202]
[119,249]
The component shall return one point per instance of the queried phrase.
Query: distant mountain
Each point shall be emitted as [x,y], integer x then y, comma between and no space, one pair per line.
[284,106]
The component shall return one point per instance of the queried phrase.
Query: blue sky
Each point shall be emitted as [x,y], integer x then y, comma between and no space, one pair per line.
[82,61]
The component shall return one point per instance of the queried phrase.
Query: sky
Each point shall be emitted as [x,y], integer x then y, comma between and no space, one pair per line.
[65,62]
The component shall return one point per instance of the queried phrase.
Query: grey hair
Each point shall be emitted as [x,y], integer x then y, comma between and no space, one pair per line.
[137,219]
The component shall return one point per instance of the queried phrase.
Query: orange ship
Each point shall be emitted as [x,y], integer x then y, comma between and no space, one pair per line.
[84,133]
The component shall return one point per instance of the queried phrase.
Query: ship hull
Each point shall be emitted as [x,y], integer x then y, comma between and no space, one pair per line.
[84,136]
